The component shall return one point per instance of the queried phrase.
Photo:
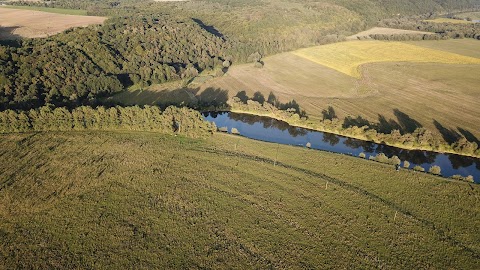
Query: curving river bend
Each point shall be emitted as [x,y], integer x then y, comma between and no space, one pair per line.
[272,130]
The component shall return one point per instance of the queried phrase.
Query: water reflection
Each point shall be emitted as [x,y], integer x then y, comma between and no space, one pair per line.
[271,130]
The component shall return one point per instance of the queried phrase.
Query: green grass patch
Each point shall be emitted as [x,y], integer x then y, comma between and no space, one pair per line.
[144,200]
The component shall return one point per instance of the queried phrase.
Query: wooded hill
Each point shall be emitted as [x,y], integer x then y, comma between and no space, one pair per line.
[146,43]
[81,65]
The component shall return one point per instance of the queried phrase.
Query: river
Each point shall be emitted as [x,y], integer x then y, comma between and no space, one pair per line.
[272,130]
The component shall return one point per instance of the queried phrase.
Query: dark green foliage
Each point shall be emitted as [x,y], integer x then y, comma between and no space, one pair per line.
[150,118]
[84,64]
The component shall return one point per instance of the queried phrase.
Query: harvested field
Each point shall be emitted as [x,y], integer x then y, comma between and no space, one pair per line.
[346,57]
[447,20]
[18,23]
[385,31]
[426,92]
[467,46]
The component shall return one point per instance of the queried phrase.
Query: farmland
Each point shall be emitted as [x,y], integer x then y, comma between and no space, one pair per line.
[469,15]
[15,23]
[447,93]
[447,20]
[347,57]
[384,31]
[150,200]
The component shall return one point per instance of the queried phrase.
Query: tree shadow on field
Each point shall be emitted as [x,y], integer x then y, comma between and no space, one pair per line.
[407,124]
[329,113]
[468,135]
[356,122]
[387,126]
[188,97]
[212,97]
[449,135]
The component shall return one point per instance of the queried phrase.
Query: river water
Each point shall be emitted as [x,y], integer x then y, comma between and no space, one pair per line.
[272,130]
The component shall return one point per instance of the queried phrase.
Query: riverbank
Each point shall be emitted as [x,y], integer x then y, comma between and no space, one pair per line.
[360,133]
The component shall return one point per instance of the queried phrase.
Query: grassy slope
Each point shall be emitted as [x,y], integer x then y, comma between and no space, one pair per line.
[145,200]
[448,92]
[51,10]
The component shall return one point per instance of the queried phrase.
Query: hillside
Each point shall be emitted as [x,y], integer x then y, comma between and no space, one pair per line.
[145,200]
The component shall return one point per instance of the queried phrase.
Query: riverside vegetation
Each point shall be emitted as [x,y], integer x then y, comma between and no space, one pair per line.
[359,128]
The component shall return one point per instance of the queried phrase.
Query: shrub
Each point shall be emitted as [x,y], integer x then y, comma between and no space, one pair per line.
[418,168]
[395,160]
[362,155]
[469,179]
[457,177]
[235,131]
[382,158]
[435,170]
[406,164]
[308,145]
[223,129]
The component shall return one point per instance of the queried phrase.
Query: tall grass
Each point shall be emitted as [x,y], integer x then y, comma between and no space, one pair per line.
[144,200]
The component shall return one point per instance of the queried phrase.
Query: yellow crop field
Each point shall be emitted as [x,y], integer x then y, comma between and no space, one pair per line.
[347,57]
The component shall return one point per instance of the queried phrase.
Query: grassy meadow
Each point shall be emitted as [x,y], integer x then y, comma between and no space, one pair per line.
[145,200]
[347,57]
[447,93]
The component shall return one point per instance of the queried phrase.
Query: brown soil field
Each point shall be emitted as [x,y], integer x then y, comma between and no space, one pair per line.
[426,92]
[16,23]
[384,31]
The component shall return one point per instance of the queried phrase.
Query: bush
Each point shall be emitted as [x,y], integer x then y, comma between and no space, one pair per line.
[223,129]
[435,170]
[235,131]
[362,155]
[406,164]
[395,160]
[382,158]
[418,168]
[308,145]
[469,179]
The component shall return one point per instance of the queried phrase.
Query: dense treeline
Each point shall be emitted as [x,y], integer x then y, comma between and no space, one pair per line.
[150,118]
[81,65]
[443,30]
